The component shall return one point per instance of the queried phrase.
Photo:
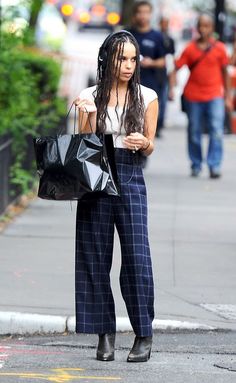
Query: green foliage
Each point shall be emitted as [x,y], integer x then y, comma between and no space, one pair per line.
[29,104]
[126,10]
[21,177]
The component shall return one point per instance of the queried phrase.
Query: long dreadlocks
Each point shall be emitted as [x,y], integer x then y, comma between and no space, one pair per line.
[132,117]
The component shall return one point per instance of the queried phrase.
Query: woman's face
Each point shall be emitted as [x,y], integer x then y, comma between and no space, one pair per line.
[126,63]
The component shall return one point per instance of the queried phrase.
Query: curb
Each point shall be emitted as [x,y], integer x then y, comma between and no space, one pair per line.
[16,323]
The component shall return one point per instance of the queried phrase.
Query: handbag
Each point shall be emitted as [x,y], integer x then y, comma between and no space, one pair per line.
[71,166]
[183,101]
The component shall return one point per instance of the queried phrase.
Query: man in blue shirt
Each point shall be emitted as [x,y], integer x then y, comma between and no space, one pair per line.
[150,43]
[162,73]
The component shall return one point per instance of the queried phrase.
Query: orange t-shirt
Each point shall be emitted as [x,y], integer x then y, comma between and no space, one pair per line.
[206,80]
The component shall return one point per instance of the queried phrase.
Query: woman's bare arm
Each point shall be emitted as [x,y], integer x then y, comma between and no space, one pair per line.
[87,122]
[144,142]
[150,126]
[87,119]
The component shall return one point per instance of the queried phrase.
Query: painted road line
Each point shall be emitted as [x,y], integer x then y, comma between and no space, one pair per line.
[59,375]
[8,351]
[3,355]
[2,360]
[19,349]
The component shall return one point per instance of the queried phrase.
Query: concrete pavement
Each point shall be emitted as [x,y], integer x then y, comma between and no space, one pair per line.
[193,241]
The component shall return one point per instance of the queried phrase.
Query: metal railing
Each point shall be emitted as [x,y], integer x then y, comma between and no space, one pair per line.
[5,164]
[9,192]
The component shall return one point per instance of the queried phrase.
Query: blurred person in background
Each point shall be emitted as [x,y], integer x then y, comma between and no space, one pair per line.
[206,94]
[163,73]
[120,106]
[151,47]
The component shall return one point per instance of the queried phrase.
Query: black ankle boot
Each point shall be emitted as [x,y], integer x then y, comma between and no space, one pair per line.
[141,349]
[106,347]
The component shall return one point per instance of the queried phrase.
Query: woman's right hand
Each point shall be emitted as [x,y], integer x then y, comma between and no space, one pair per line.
[85,105]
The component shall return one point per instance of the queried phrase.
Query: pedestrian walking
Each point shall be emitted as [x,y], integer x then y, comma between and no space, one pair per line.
[120,106]
[206,94]
[151,49]
[163,73]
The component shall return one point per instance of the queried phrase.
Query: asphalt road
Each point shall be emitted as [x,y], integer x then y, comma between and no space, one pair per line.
[176,358]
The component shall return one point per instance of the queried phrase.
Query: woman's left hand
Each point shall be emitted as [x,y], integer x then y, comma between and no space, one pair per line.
[135,141]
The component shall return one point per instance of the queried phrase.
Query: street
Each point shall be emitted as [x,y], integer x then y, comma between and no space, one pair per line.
[176,358]
[80,50]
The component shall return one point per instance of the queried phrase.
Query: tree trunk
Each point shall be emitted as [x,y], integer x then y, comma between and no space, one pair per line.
[36,5]
[126,12]
[220,18]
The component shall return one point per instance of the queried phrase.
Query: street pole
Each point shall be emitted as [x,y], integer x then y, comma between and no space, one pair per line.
[220,17]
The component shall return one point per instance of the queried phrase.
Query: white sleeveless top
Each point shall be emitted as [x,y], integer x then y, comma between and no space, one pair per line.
[113,125]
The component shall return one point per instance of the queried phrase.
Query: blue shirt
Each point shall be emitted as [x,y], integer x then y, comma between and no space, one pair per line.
[150,45]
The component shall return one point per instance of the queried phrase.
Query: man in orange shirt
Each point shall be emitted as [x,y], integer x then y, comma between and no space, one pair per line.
[206,94]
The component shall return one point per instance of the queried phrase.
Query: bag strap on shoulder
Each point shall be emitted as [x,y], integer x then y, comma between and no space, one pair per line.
[208,49]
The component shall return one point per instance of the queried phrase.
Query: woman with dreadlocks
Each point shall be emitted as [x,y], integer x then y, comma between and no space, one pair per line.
[120,106]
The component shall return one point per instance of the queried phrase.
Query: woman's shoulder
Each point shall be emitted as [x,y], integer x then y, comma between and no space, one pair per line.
[88,93]
[148,94]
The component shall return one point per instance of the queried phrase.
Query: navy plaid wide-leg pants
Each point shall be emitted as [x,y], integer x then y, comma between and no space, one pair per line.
[95,223]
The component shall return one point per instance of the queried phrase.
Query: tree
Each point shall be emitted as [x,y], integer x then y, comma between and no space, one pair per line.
[126,11]
[220,17]
[35,8]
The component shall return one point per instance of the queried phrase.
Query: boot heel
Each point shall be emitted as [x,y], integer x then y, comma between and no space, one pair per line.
[141,350]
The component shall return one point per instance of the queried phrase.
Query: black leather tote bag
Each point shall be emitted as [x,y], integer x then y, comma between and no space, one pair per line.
[71,166]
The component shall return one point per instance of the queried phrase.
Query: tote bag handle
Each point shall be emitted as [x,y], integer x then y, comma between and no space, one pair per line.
[75,120]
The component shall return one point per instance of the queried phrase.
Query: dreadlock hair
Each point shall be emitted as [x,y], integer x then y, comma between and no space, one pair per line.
[132,117]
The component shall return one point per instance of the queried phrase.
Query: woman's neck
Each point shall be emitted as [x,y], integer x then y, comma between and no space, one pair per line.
[120,87]
[118,94]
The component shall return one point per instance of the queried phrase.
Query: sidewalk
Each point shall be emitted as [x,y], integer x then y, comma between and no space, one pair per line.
[193,241]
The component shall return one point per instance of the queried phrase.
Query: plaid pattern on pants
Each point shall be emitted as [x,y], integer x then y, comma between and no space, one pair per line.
[95,223]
